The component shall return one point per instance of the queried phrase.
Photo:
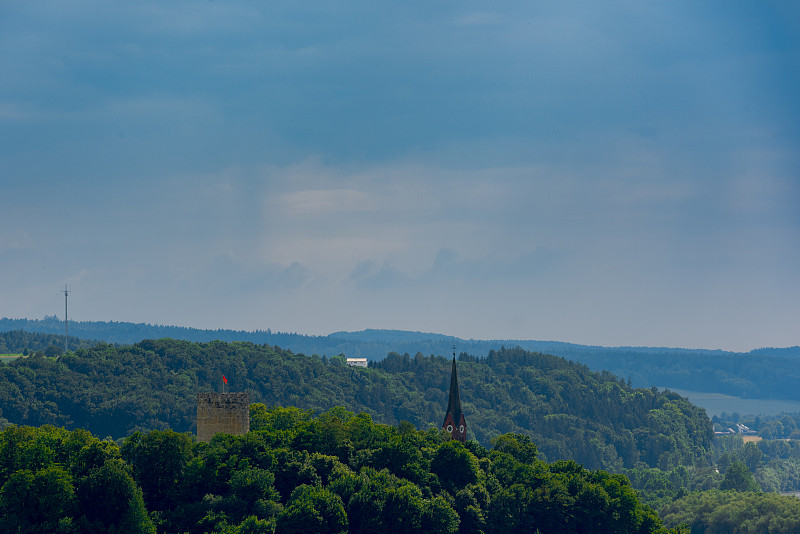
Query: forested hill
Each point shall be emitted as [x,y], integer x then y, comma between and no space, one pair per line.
[568,410]
[767,373]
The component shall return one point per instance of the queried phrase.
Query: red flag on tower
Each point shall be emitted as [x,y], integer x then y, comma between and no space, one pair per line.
[224,379]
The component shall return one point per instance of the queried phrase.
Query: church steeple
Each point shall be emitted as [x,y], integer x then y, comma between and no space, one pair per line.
[454,421]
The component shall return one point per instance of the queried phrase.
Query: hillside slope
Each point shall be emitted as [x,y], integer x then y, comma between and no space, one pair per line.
[569,411]
[766,373]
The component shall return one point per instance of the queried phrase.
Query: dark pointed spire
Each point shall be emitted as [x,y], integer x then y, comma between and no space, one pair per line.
[454,403]
[454,421]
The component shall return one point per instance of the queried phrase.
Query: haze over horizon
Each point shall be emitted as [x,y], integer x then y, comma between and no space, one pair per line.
[625,174]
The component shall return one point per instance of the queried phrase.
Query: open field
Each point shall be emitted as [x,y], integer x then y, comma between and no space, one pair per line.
[716,403]
[8,357]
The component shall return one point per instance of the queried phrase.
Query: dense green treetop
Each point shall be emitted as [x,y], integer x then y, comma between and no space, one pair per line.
[568,410]
[296,473]
[56,481]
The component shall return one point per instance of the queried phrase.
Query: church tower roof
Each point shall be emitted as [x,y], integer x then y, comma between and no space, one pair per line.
[454,421]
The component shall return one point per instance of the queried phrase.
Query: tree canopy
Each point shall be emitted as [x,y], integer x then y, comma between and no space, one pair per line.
[294,472]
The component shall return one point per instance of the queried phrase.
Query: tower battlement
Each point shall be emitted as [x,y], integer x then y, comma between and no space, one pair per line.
[222,412]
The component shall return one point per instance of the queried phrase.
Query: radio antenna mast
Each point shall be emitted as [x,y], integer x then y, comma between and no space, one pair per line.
[66,321]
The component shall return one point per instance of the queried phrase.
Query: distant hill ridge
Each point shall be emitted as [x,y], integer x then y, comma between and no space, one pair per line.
[765,373]
[373,344]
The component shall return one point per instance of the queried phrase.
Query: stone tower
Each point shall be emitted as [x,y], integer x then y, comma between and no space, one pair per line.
[222,412]
[454,422]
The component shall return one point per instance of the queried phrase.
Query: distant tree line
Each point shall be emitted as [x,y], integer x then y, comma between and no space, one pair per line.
[116,332]
[757,375]
[23,342]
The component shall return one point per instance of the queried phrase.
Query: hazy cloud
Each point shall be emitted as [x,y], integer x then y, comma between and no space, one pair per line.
[615,174]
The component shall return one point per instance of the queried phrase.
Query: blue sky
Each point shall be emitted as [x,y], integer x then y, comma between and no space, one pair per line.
[616,174]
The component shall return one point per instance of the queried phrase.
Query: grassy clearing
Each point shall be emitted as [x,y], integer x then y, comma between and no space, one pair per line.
[8,357]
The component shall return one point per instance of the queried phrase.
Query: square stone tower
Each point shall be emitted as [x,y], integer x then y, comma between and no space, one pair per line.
[222,412]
